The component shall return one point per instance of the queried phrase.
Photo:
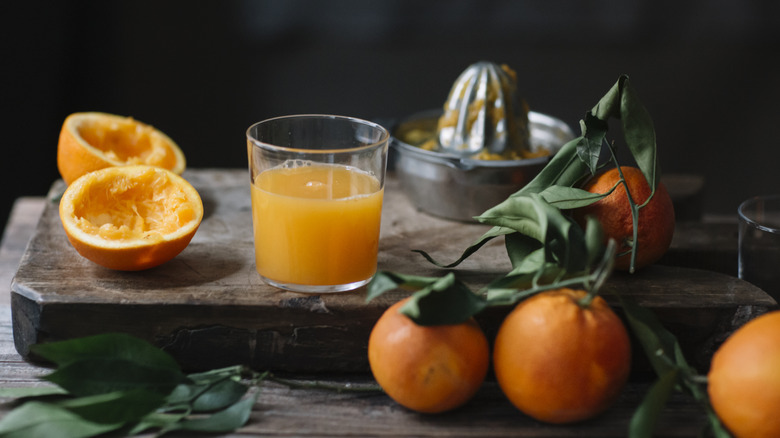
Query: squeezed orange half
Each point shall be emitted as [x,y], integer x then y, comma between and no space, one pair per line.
[316,224]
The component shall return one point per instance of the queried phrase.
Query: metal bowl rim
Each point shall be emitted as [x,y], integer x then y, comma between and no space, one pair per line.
[445,158]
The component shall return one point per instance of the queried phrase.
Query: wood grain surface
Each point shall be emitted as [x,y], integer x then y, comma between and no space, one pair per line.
[305,411]
[209,308]
[283,411]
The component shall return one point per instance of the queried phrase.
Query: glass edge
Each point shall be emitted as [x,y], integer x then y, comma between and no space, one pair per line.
[383,142]
[752,222]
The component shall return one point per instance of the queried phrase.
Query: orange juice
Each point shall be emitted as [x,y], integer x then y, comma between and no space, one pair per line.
[316,224]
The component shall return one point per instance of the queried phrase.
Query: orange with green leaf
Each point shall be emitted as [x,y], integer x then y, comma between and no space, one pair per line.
[428,369]
[549,250]
[643,220]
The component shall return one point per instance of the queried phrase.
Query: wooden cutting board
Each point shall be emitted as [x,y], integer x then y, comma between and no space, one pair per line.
[209,308]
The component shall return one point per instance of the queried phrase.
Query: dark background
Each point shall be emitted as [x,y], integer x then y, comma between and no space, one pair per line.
[202,72]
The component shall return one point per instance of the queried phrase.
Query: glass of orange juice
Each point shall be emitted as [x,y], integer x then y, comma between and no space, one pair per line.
[317,184]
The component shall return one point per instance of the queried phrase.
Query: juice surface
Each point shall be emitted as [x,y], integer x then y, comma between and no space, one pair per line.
[316,224]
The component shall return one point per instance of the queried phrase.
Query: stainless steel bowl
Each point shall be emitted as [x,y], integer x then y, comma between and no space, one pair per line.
[459,188]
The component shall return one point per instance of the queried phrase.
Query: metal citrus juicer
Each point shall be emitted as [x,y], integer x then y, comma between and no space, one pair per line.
[456,162]
[483,117]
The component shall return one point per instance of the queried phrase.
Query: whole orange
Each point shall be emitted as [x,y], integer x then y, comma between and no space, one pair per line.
[90,141]
[130,217]
[559,361]
[656,219]
[744,379]
[428,369]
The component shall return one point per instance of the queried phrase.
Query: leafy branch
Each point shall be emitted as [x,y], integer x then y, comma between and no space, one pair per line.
[115,383]
[447,300]
[545,246]
[674,373]
[577,160]
[121,384]
[548,250]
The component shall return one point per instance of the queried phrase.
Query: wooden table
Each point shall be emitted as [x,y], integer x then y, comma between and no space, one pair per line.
[285,411]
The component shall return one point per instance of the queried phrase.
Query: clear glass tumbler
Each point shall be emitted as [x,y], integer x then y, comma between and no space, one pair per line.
[317,184]
[759,243]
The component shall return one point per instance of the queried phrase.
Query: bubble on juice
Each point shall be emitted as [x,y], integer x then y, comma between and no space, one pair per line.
[293,164]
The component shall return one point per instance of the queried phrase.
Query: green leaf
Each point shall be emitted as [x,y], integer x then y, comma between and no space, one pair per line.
[565,168]
[569,247]
[104,375]
[210,376]
[622,102]
[384,281]
[546,274]
[535,218]
[43,420]
[521,214]
[639,133]
[381,283]
[157,420]
[33,391]
[594,132]
[208,396]
[566,198]
[646,416]
[219,396]
[659,345]
[609,105]
[497,296]
[223,421]
[515,287]
[474,247]
[438,300]
[446,301]
[594,241]
[601,268]
[526,254]
[120,407]
[109,345]
[716,427]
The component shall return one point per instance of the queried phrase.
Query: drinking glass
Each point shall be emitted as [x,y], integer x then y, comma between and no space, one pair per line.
[759,243]
[317,184]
